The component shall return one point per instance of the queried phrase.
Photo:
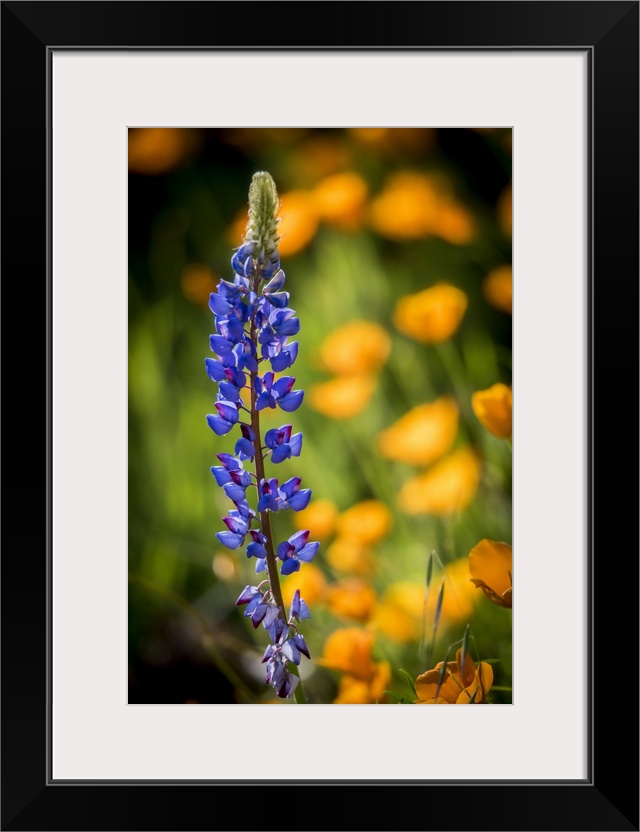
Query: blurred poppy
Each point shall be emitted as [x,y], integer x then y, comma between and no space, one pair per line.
[431,315]
[353,691]
[342,398]
[347,555]
[367,522]
[349,650]
[490,567]
[356,347]
[407,207]
[298,222]
[197,283]
[319,517]
[351,598]
[339,200]
[454,224]
[498,288]
[458,684]
[399,615]
[493,407]
[157,150]
[448,486]
[311,583]
[423,434]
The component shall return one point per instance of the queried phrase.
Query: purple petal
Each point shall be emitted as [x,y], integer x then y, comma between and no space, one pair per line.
[290,651]
[229,462]
[301,644]
[285,550]
[271,438]
[235,524]
[234,492]
[245,449]
[290,487]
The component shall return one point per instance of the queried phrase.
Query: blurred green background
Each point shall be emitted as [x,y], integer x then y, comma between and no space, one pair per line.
[371,218]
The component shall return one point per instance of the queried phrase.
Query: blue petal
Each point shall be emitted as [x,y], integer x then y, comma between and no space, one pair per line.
[300,500]
[290,651]
[265,399]
[261,565]
[280,300]
[289,566]
[222,476]
[229,391]
[281,453]
[220,345]
[290,327]
[301,644]
[234,492]
[227,410]
[271,438]
[247,594]
[218,305]
[291,401]
[218,426]
[256,550]
[245,449]
[290,487]
[229,539]
[295,443]
[276,283]
[299,539]
[304,609]
[267,501]
[283,385]
[284,550]
[308,553]
[215,370]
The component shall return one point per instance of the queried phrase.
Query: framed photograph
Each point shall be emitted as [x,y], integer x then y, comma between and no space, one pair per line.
[452,191]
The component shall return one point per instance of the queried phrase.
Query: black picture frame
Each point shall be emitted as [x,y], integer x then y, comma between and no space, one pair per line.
[608,798]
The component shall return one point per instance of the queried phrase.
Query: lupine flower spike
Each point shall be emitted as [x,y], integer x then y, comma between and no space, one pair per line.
[253,325]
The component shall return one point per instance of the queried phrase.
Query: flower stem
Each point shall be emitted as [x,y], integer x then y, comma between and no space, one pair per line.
[265,519]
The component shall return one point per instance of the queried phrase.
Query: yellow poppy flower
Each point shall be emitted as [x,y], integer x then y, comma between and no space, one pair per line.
[352,691]
[493,407]
[460,685]
[197,283]
[311,583]
[407,208]
[355,348]
[498,288]
[349,650]
[399,614]
[431,315]
[454,224]
[491,567]
[298,222]
[367,522]
[347,555]
[339,200]
[157,150]
[449,486]
[343,397]
[319,517]
[423,434]
[352,598]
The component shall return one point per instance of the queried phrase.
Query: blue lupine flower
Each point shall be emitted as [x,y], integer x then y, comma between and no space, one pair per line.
[226,418]
[245,448]
[282,444]
[293,496]
[298,609]
[251,314]
[294,550]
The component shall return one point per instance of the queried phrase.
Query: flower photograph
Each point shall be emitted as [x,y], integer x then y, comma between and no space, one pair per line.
[320,429]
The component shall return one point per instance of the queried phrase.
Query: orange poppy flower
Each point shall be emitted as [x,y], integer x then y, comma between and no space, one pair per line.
[491,567]
[458,685]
